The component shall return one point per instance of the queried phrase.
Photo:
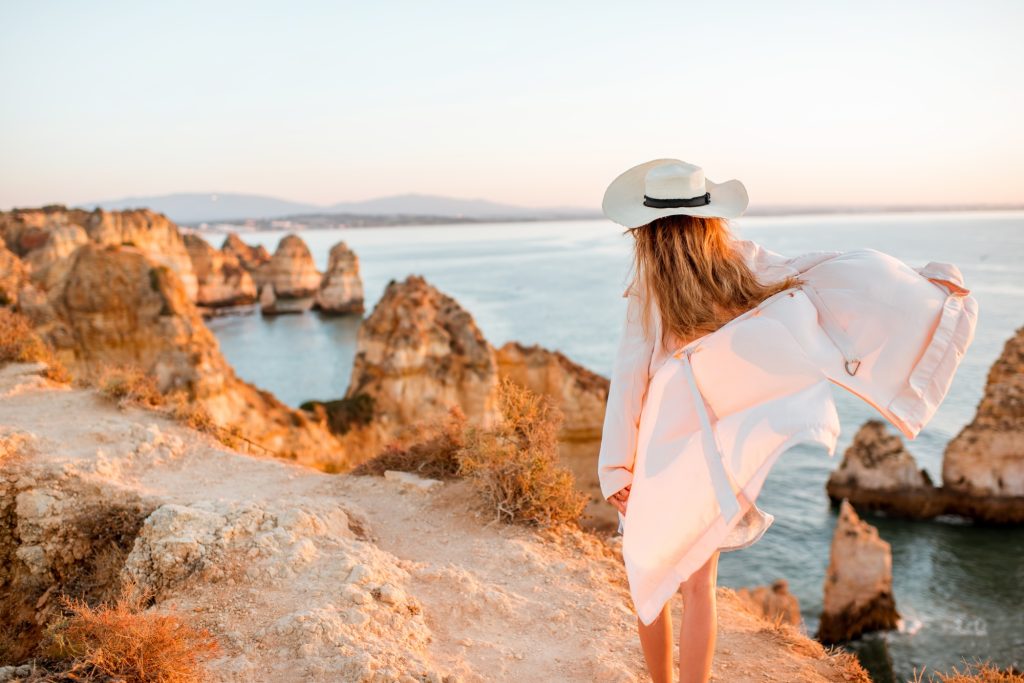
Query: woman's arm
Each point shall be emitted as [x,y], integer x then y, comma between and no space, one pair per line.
[625,399]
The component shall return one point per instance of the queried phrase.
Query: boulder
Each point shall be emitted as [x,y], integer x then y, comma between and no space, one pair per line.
[290,270]
[249,257]
[858,584]
[984,463]
[222,279]
[774,603]
[579,393]
[341,290]
[116,307]
[420,352]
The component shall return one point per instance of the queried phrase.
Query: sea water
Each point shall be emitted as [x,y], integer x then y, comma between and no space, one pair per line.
[958,586]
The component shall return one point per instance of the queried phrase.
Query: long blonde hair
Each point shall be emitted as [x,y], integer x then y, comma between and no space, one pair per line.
[696,277]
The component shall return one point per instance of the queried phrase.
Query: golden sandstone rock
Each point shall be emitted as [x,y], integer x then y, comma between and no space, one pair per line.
[222,279]
[418,353]
[341,289]
[46,236]
[250,257]
[982,469]
[290,270]
[858,585]
[986,458]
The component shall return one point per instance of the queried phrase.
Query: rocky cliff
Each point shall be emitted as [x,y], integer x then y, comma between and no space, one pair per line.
[341,289]
[115,307]
[420,352]
[579,393]
[13,275]
[45,237]
[222,279]
[307,576]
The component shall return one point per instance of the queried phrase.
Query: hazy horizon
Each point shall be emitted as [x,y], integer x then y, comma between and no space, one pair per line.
[530,105]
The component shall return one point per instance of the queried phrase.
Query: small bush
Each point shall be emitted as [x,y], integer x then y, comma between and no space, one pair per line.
[515,466]
[130,384]
[433,455]
[20,344]
[125,643]
[344,413]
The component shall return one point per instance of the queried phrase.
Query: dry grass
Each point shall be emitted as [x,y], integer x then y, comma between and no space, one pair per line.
[129,384]
[515,466]
[431,452]
[20,344]
[123,642]
[976,672]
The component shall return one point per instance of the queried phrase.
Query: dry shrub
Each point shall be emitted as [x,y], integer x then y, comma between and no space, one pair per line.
[433,453]
[515,466]
[130,384]
[121,641]
[976,672]
[20,344]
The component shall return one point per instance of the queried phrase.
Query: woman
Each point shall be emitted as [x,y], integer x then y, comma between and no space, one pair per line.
[690,277]
[727,359]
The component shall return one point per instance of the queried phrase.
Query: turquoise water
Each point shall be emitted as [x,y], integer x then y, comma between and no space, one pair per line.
[959,587]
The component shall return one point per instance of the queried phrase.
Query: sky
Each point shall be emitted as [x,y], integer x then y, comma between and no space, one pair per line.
[530,103]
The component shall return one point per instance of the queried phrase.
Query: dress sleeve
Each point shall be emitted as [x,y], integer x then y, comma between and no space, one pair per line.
[630,376]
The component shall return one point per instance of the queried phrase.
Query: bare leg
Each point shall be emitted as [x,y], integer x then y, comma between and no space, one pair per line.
[656,641]
[699,628]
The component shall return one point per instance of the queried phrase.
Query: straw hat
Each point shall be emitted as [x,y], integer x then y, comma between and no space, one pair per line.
[670,187]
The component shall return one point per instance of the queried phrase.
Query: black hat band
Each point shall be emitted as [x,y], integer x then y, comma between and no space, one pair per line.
[677,203]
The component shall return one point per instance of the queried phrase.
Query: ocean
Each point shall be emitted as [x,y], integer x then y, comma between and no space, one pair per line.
[958,586]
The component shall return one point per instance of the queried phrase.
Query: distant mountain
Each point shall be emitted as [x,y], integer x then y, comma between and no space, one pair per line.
[432,205]
[196,208]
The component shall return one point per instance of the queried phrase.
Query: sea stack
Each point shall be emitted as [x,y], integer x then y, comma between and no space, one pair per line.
[291,269]
[420,352]
[858,585]
[249,257]
[984,463]
[879,473]
[292,274]
[579,393]
[341,290]
[222,279]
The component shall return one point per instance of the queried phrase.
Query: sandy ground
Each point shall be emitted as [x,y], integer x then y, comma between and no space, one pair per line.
[307,576]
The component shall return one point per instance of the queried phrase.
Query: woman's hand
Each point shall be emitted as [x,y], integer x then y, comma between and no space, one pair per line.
[620,497]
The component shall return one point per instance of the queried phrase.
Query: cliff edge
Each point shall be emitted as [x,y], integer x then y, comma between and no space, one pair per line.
[304,575]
